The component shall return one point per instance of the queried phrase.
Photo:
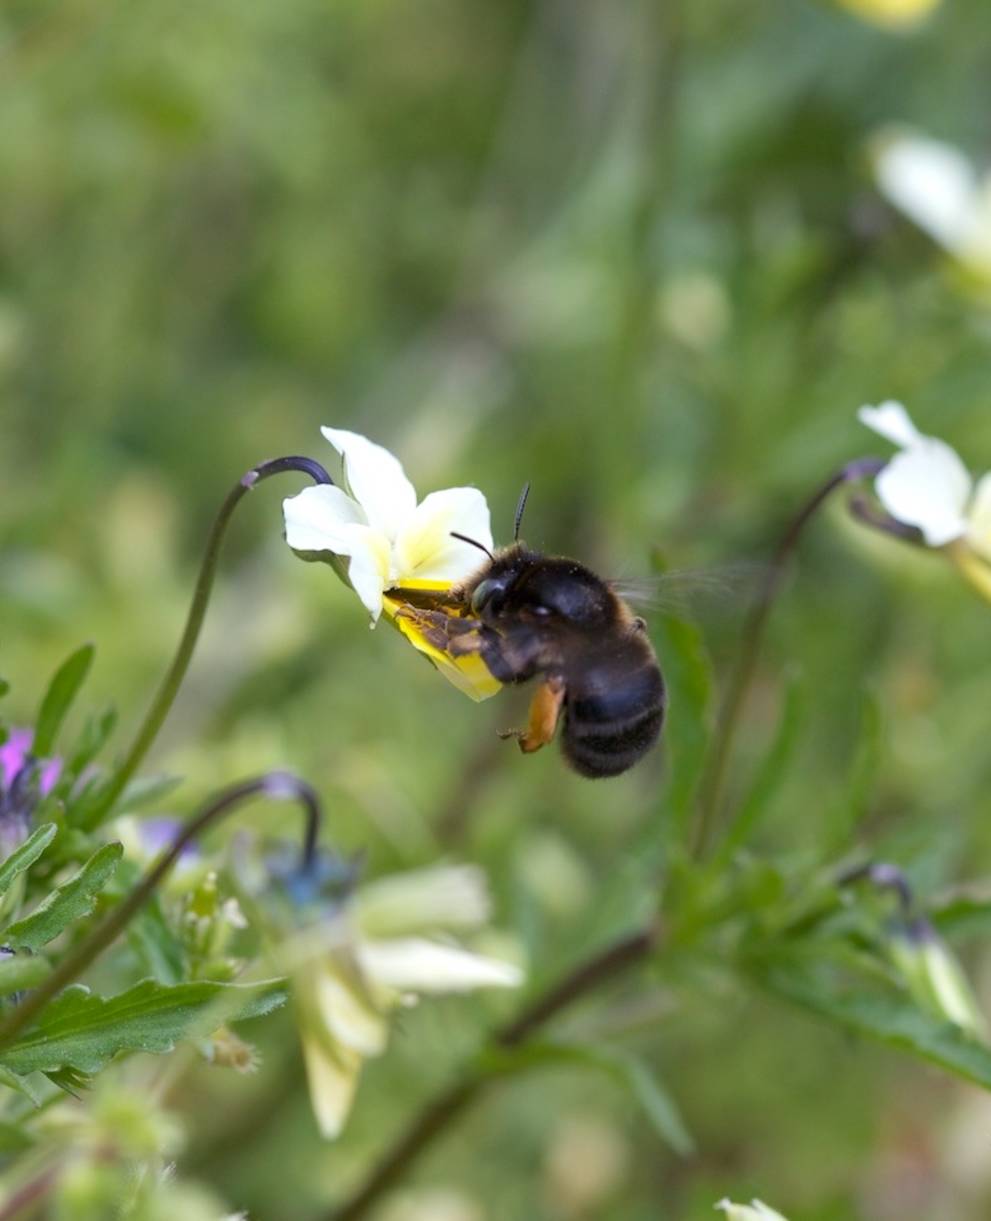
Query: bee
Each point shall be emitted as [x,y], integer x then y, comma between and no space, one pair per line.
[534,616]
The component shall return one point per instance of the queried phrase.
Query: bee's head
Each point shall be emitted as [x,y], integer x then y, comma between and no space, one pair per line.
[523,585]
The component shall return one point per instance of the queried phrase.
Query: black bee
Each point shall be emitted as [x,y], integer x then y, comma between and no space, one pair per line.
[528,616]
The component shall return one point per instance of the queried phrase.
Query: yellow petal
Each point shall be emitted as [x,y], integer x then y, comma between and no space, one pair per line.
[469,674]
[332,1080]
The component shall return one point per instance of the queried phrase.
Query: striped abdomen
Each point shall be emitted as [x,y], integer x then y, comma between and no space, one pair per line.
[613,711]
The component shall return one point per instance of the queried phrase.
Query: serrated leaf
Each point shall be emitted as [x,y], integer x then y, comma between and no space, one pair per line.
[888,1018]
[82,1032]
[23,1085]
[19,971]
[62,690]
[629,1071]
[67,903]
[769,774]
[25,856]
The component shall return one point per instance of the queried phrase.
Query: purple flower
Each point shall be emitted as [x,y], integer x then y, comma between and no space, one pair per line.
[16,752]
[23,782]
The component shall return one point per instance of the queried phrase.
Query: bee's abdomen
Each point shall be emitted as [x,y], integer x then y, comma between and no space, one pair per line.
[610,727]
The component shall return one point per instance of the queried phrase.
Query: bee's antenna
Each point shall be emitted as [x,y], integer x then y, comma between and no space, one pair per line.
[521,505]
[474,542]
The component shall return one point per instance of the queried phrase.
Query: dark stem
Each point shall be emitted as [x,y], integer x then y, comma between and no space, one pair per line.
[868,513]
[440,1112]
[279,786]
[165,696]
[710,792]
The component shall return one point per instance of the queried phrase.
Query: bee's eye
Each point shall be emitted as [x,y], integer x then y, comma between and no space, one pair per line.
[488,594]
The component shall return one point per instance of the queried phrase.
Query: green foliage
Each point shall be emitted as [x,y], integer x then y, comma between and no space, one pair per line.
[67,903]
[25,856]
[59,697]
[82,1032]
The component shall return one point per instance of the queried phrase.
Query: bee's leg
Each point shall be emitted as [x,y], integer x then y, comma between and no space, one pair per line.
[545,711]
[449,633]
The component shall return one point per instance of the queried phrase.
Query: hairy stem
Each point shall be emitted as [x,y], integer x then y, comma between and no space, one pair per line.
[167,691]
[711,790]
[440,1112]
[280,786]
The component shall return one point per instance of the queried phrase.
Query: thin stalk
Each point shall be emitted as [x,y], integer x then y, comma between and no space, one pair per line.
[440,1112]
[167,691]
[711,790]
[279,786]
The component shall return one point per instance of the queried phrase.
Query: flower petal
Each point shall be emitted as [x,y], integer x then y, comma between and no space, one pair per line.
[369,571]
[425,548]
[439,897]
[351,1018]
[332,1080]
[469,673]
[979,526]
[376,479]
[317,517]
[933,183]
[892,421]
[756,1210]
[927,486]
[418,965]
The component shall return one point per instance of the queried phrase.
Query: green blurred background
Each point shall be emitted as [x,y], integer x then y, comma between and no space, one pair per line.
[630,252]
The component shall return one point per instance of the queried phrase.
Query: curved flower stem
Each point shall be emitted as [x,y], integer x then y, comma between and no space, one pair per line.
[440,1112]
[279,786]
[164,697]
[711,789]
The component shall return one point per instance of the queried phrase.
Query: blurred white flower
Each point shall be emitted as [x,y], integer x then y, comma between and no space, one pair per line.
[756,1210]
[351,978]
[390,543]
[937,187]
[891,14]
[927,485]
[935,977]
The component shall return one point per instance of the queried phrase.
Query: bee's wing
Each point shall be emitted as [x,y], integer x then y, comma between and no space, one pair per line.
[693,592]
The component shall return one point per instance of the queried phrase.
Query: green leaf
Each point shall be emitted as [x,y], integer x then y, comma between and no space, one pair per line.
[62,690]
[23,1085]
[962,916]
[146,790]
[25,856]
[92,740]
[863,776]
[770,773]
[4,687]
[82,1032]
[154,943]
[888,1018]
[628,1071]
[19,971]
[688,675]
[67,903]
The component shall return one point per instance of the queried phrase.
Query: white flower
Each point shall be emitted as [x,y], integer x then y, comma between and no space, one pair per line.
[938,189]
[346,991]
[390,543]
[756,1210]
[927,485]
[376,523]
[892,14]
